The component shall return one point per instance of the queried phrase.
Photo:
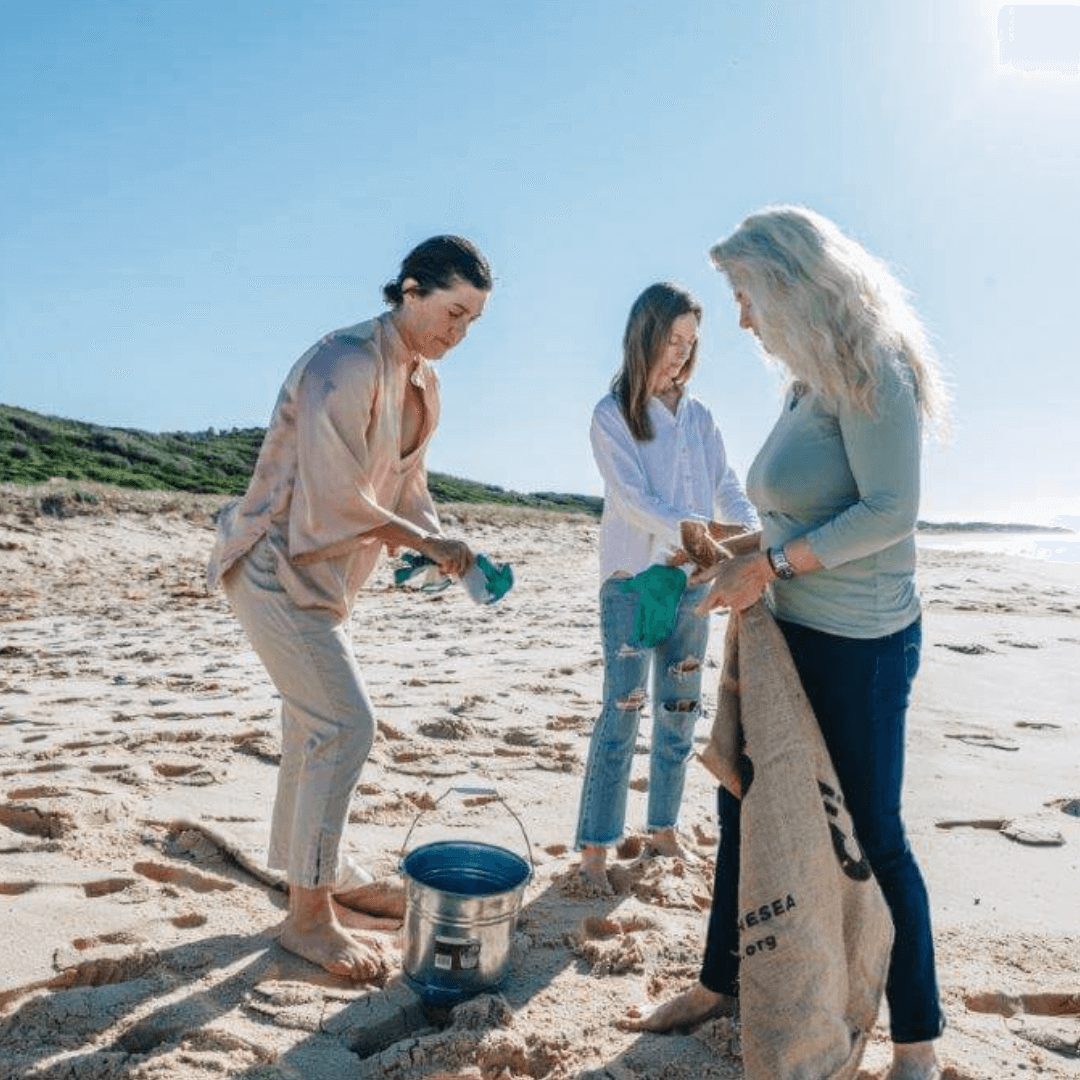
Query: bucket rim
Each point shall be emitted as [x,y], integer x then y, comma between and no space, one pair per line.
[472,844]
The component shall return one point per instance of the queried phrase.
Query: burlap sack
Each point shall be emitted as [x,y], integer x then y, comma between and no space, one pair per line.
[814,931]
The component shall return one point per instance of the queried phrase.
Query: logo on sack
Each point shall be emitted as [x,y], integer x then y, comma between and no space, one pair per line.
[764,914]
[856,869]
[767,912]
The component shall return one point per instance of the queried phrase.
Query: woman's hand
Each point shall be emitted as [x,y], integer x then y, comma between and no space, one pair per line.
[453,557]
[737,583]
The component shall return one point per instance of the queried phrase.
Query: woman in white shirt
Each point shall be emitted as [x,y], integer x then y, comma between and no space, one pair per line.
[663,462]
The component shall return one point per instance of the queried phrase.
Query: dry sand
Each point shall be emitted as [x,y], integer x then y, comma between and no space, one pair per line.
[133,945]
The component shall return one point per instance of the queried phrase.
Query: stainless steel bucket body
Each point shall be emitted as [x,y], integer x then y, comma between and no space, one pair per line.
[461,904]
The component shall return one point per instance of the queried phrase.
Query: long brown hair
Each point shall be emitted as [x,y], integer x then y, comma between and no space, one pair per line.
[647,332]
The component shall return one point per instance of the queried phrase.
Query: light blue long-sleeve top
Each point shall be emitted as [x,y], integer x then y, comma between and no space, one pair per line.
[849,483]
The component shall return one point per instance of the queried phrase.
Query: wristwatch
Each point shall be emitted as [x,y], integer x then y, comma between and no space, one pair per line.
[779,563]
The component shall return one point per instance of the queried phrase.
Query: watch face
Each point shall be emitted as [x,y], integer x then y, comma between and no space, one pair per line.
[778,561]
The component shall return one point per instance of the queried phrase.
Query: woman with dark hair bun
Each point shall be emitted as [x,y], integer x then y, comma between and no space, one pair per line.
[340,476]
[435,264]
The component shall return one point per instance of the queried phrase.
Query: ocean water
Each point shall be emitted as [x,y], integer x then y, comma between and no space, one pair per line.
[1054,547]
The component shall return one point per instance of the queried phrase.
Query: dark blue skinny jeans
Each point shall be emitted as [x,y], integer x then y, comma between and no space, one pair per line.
[859,690]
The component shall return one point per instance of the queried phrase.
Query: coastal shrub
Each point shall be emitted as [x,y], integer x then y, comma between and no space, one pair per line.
[34,449]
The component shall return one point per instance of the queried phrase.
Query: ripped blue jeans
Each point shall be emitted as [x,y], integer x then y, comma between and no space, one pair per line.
[676,665]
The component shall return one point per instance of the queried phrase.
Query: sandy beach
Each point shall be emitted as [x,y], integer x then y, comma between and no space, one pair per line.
[138,744]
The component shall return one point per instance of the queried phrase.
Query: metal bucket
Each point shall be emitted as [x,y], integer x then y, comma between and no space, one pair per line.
[462,899]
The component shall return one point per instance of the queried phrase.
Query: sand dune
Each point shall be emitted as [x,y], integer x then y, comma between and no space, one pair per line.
[138,743]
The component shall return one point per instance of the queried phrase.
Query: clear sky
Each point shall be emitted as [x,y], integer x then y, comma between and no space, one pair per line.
[193,192]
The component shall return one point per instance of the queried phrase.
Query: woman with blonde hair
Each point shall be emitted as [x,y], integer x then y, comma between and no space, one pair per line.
[663,462]
[836,486]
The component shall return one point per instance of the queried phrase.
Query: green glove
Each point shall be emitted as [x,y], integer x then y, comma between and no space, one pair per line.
[660,589]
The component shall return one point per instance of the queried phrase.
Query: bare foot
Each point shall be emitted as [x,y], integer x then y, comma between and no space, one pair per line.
[914,1061]
[329,946]
[690,1008]
[385,897]
[312,931]
[360,920]
[666,842]
[592,869]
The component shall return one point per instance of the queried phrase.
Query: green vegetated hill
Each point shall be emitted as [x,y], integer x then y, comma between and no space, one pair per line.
[36,448]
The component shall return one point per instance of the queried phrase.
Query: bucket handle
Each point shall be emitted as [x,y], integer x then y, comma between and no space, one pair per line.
[487,791]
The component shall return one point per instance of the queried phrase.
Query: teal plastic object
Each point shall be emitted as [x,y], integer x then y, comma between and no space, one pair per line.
[412,564]
[659,590]
[487,582]
[498,578]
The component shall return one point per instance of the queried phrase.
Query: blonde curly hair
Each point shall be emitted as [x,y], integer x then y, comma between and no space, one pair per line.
[832,313]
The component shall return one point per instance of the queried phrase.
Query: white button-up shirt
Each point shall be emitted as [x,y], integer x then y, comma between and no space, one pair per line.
[650,487]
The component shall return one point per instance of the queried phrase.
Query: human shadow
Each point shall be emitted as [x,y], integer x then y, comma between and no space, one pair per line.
[103,992]
[546,944]
[133,1004]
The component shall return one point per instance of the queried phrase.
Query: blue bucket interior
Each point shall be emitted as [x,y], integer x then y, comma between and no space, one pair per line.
[466,868]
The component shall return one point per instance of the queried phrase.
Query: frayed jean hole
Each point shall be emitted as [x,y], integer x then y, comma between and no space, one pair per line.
[685,667]
[632,703]
[629,650]
[684,706]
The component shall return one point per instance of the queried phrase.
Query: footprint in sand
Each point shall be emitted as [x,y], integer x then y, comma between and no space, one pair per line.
[182,877]
[704,838]
[42,791]
[105,969]
[559,758]
[523,737]
[189,921]
[107,886]
[81,945]
[192,774]
[568,722]
[16,888]
[262,745]
[1048,1020]
[33,821]
[449,727]
[974,649]
[615,946]
[1032,831]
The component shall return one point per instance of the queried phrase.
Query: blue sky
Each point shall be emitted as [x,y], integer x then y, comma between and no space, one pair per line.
[192,193]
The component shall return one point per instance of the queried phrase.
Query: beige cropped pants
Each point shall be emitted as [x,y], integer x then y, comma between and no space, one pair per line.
[327,723]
